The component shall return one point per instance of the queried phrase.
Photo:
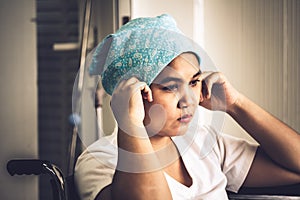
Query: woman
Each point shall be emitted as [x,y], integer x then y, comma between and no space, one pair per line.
[153,74]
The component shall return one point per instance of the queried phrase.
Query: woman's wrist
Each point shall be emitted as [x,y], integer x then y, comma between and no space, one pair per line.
[238,104]
[134,145]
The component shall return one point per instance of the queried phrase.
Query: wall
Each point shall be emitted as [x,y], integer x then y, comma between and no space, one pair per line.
[256,44]
[182,11]
[18,95]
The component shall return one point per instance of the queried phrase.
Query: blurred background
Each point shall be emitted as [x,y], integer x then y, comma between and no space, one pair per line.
[256,43]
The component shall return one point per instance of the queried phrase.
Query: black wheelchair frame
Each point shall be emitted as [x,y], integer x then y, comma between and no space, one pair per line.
[63,188]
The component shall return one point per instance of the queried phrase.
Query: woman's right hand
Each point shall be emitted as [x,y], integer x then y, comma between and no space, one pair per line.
[127,103]
[137,161]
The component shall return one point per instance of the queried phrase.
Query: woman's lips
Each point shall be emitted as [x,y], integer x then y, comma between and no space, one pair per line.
[185,118]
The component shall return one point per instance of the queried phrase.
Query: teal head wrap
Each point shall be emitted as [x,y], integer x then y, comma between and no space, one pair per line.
[140,48]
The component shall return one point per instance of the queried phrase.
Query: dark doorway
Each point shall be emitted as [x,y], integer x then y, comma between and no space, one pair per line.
[57,22]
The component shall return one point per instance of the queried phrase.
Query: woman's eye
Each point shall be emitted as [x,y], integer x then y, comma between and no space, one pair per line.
[170,87]
[193,83]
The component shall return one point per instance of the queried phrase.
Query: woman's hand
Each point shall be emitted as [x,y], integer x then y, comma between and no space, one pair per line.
[127,103]
[217,93]
[137,161]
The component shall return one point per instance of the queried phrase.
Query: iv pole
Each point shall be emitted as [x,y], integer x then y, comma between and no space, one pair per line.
[83,51]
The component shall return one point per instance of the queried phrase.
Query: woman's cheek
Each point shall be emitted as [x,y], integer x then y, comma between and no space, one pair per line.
[156,118]
[197,95]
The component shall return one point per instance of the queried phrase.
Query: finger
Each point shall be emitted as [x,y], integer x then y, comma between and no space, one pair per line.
[205,74]
[131,81]
[146,91]
[127,82]
[211,78]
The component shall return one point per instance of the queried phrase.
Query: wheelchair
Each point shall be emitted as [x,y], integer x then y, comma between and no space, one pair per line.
[63,188]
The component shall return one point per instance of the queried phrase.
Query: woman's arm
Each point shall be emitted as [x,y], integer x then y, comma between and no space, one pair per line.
[279,154]
[278,141]
[277,162]
[144,179]
[138,174]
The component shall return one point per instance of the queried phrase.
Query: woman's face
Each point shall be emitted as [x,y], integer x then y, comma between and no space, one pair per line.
[176,93]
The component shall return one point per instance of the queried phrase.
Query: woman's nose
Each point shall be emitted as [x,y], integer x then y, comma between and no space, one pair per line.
[185,98]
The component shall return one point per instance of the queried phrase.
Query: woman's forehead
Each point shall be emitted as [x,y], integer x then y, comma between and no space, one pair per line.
[185,61]
[188,57]
[184,66]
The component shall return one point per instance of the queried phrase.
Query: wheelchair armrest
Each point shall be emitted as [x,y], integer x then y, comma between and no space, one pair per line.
[28,167]
[290,190]
[38,167]
[278,192]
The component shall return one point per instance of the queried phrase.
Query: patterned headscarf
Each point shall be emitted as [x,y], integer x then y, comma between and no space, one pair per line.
[140,48]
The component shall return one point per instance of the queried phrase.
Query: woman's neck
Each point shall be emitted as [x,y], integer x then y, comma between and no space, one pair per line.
[165,149]
[160,142]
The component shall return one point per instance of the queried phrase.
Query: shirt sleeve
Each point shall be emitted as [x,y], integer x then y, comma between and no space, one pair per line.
[95,167]
[236,159]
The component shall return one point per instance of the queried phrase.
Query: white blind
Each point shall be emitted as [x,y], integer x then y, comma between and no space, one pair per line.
[256,44]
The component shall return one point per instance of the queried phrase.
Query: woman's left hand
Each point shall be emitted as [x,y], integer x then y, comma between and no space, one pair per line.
[217,93]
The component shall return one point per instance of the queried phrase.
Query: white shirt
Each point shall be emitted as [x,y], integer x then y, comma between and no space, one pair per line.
[222,165]
[216,162]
